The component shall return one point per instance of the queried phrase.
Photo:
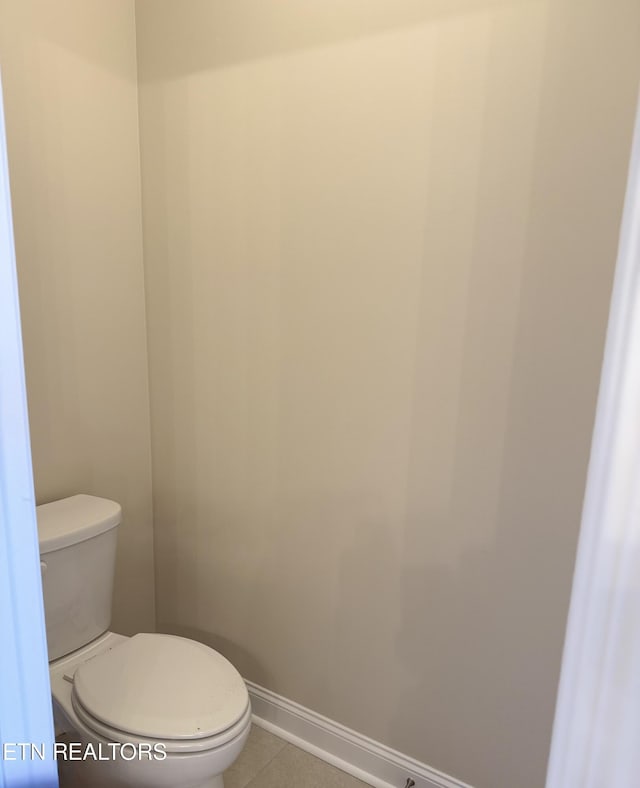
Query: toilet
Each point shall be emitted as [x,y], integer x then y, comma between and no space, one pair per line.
[148,711]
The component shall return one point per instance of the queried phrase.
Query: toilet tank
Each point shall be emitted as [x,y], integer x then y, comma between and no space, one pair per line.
[77,539]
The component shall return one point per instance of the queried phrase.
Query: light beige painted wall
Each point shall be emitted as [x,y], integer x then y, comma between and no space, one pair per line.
[69,73]
[379,246]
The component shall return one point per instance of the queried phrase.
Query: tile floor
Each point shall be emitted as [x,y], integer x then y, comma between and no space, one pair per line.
[270,762]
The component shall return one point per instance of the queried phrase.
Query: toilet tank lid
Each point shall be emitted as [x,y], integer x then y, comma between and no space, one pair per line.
[75,519]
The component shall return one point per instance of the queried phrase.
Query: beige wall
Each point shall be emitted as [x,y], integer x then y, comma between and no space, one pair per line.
[379,245]
[69,73]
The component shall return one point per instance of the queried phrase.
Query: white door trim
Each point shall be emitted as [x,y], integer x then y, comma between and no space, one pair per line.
[25,697]
[597,724]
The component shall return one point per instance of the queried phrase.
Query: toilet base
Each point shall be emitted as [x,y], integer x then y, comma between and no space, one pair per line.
[71,779]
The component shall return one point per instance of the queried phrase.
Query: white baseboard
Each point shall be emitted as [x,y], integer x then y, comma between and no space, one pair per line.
[368,760]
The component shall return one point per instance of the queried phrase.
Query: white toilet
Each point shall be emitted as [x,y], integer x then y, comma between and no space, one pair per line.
[155,694]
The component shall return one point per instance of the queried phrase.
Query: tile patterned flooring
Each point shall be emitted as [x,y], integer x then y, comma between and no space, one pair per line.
[270,762]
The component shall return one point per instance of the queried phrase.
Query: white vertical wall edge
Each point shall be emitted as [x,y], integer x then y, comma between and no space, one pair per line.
[25,697]
[597,724]
[364,758]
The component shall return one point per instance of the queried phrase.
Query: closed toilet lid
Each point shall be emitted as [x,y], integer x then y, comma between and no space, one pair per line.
[162,686]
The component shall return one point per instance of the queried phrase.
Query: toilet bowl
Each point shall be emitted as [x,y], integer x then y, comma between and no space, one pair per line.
[156,710]
[99,701]
[148,711]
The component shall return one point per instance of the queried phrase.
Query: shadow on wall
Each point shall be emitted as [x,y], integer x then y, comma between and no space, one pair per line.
[228,32]
[65,25]
[200,35]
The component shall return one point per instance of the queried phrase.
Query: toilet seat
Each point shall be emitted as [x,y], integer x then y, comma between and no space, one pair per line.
[171,746]
[162,688]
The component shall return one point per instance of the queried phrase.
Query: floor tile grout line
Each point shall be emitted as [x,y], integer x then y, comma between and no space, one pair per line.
[325,765]
[285,744]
